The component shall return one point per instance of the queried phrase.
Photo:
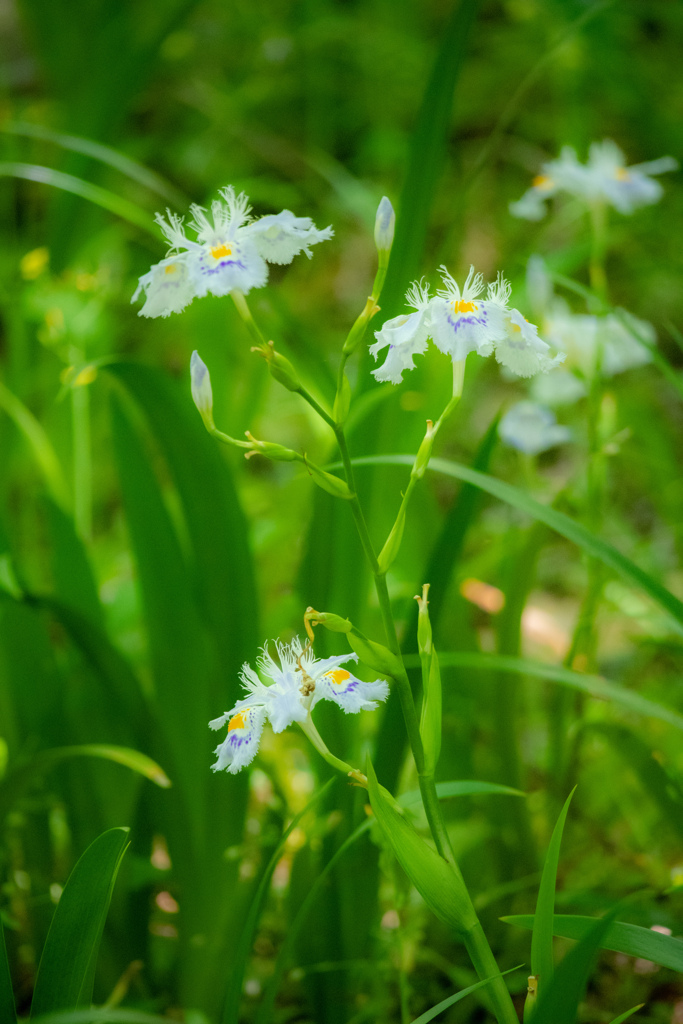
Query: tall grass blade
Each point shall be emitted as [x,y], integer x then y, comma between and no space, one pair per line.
[558,521]
[428,1015]
[15,783]
[122,208]
[67,966]
[620,937]
[104,154]
[71,570]
[43,451]
[542,961]
[629,1013]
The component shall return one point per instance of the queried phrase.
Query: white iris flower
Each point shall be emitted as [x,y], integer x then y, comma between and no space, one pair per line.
[296,685]
[531,428]
[605,178]
[460,321]
[231,252]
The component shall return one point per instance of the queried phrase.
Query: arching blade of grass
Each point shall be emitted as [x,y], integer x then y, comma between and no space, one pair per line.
[92,193]
[558,521]
[17,780]
[7,1010]
[542,961]
[428,1015]
[104,154]
[596,686]
[72,572]
[43,451]
[67,965]
[620,937]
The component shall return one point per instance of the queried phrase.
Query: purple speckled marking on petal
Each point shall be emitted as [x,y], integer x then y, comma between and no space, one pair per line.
[221,266]
[480,321]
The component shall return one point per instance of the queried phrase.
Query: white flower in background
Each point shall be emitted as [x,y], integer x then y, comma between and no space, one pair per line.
[604,178]
[405,335]
[608,341]
[531,428]
[230,252]
[296,685]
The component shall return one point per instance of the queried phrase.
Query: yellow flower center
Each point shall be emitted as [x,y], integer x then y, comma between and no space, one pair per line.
[339,676]
[237,721]
[170,269]
[460,306]
[621,174]
[219,251]
[542,181]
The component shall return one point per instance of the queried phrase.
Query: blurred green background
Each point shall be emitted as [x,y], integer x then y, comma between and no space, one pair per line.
[140,566]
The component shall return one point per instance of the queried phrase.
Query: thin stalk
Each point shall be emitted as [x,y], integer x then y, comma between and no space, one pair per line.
[82,462]
[596,268]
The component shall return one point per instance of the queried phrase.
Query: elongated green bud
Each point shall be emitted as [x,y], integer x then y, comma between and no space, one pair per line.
[342,402]
[335,623]
[280,367]
[385,223]
[275,452]
[202,395]
[393,543]
[430,722]
[332,484]
[374,655]
[424,452]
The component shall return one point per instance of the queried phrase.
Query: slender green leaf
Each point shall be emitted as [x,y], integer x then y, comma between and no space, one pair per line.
[620,937]
[15,783]
[115,1015]
[558,521]
[559,1003]
[92,193]
[433,878]
[428,1015]
[105,154]
[40,443]
[464,787]
[596,686]
[629,1013]
[234,989]
[542,961]
[73,576]
[67,966]
[427,152]
[7,1010]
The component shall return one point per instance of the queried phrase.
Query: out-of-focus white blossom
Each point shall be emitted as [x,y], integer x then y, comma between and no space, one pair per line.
[531,428]
[605,178]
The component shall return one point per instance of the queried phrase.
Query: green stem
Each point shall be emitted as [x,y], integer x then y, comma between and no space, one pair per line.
[244,311]
[596,269]
[309,730]
[486,966]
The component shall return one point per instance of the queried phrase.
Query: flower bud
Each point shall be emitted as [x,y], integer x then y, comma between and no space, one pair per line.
[385,222]
[202,395]
[424,626]
[393,543]
[342,402]
[424,452]
[272,451]
[374,655]
[280,368]
[335,623]
[332,484]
